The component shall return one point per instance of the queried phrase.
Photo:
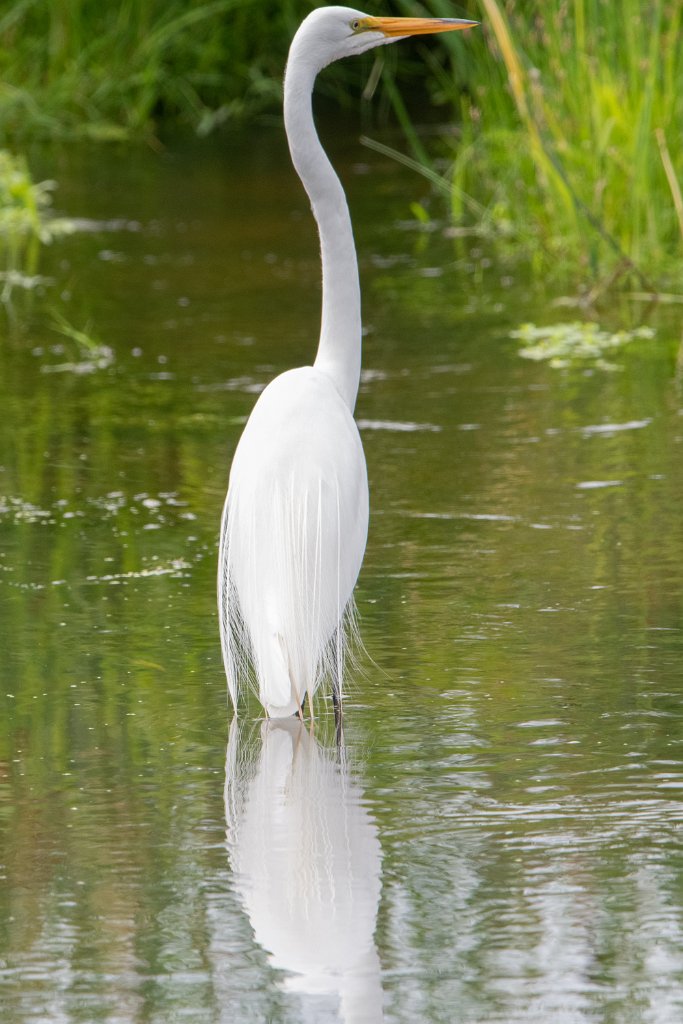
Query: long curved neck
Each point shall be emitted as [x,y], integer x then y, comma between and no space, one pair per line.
[339,349]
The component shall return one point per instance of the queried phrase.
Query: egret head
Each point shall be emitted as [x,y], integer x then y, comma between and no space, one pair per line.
[330,33]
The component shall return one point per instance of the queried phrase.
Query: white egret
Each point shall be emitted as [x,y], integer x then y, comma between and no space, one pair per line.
[295,519]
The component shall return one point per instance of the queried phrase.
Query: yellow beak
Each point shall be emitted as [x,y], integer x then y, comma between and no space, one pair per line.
[394,27]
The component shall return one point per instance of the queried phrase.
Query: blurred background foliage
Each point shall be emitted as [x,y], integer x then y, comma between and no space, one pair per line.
[554,130]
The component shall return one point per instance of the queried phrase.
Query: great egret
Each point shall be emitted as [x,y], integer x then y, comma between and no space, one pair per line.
[295,519]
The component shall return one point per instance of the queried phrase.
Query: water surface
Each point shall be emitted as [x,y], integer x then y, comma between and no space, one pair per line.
[499,836]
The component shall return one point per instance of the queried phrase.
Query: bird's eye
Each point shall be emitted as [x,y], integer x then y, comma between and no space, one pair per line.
[355,25]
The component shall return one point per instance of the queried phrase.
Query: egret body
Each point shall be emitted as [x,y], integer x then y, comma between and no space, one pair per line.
[295,519]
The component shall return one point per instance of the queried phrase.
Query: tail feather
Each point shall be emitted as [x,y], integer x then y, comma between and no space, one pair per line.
[276,690]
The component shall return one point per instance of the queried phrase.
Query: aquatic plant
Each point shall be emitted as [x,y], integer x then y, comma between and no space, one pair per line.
[90,354]
[563,345]
[24,224]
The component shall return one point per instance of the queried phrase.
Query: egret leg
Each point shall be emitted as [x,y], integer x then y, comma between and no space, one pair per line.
[336,677]
[337,694]
[338,721]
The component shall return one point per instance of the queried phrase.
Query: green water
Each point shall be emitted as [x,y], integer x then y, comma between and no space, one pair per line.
[499,839]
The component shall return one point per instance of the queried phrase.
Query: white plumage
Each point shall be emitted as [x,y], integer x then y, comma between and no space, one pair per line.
[298,520]
[295,520]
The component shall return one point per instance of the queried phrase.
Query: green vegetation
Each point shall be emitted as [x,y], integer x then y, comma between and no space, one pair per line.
[566,148]
[575,344]
[571,140]
[23,226]
[26,222]
[90,354]
[109,70]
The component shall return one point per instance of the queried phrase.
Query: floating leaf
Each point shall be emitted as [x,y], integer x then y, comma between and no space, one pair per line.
[564,345]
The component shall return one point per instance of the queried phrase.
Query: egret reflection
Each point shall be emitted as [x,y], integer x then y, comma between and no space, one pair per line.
[306,861]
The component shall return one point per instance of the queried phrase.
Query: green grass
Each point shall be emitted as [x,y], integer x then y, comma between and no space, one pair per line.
[570,135]
[74,68]
[130,69]
[25,224]
[562,118]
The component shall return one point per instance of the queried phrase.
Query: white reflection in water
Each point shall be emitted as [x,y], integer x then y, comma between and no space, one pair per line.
[306,861]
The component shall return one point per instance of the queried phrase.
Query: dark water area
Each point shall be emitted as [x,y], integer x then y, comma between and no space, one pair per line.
[499,837]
